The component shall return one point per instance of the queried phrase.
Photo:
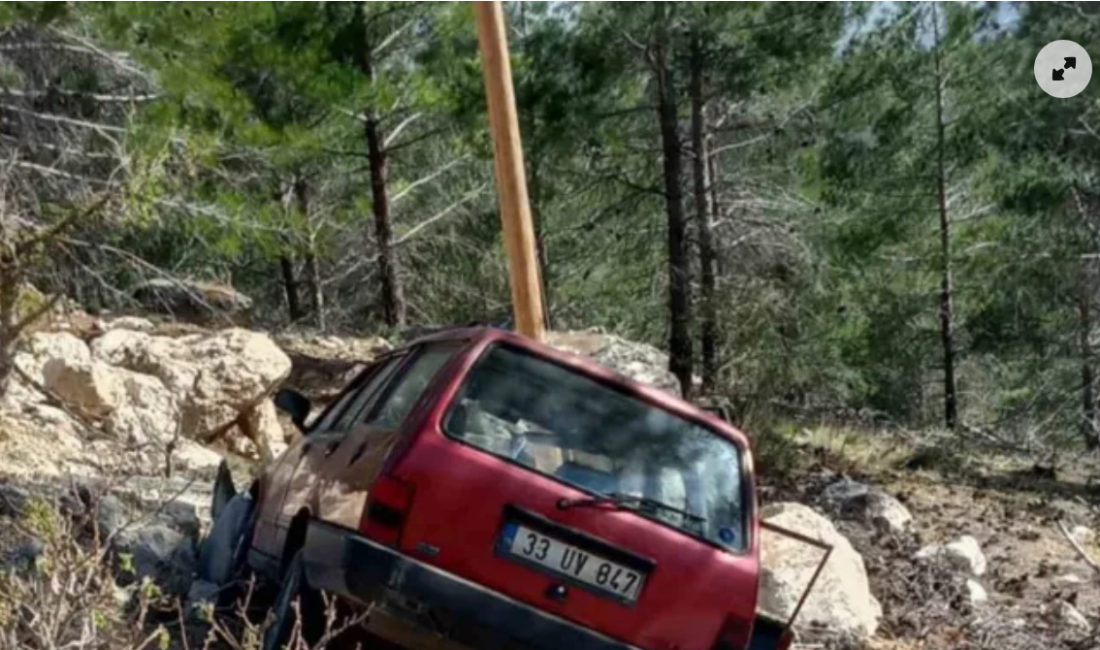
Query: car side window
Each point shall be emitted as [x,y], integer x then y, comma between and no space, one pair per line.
[399,402]
[329,415]
[367,396]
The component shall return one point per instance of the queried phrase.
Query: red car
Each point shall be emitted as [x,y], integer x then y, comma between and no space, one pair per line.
[483,490]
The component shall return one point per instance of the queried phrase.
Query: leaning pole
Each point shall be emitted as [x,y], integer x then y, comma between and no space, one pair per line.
[515,212]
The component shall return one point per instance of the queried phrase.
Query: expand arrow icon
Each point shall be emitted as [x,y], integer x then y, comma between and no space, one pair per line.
[1057,74]
[1071,62]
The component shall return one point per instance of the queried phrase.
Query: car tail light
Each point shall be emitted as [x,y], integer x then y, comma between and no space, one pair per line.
[388,502]
[735,634]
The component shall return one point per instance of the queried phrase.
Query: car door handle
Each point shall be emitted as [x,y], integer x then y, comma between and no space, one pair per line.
[331,448]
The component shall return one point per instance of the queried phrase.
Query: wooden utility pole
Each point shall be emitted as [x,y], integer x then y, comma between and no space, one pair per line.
[515,212]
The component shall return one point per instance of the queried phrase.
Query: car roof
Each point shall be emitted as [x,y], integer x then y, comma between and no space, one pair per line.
[591,368]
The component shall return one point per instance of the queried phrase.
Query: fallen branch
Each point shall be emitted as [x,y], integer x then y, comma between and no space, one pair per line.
[1077,547]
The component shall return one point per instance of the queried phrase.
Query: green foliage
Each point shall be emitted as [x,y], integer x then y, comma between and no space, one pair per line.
[822,114]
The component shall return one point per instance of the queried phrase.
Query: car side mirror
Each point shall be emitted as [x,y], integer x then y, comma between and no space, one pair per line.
[294,404]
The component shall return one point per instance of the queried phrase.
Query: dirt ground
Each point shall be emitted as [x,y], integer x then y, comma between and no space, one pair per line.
[1005,502]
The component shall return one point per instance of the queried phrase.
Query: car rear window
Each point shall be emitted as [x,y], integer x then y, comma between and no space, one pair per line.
[577,430]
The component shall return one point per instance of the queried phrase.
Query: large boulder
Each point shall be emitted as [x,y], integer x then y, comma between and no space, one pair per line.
[42,441]
[638,361]
[218,378]
[42,347]
[841,601]
[92,387]
[141,352]
[853,500]
[149,413]
[263,429]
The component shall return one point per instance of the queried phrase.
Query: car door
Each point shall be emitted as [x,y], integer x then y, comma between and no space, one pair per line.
[349,472]
[323,441]
[275,480]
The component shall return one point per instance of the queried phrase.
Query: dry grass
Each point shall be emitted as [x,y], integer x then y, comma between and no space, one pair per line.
[59,590]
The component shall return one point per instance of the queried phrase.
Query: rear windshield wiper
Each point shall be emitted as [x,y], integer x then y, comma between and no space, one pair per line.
[620,500]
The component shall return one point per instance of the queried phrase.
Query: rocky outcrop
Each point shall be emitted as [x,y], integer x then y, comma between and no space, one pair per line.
[841,602]
[140,392]
[322,365]
[221,379]
[638,361]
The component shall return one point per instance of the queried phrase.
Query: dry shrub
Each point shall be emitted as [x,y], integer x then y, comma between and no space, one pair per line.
[59,590]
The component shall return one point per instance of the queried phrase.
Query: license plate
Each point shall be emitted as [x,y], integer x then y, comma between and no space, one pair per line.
[567,560]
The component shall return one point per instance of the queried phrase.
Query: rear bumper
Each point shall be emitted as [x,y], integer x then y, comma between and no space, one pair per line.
[345,563]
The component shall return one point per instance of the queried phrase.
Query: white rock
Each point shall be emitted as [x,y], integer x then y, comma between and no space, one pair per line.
[1072,617]
[40,440]
[1083,534]
[977,593]
[42,347]
[216,377]
[149,414]
[91,386]
[262,426]
[133,323]
[638,361]
[965,554]
[163,357]
[841,601]
[193,456]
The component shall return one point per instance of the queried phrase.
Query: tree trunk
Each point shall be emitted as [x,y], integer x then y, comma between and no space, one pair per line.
[392,298]
[679,342]
[540,240]
[9,297]
[393,302]
[290,286]
[1089,429]
[313,280]
[702,184]
[317,294]
[947,336]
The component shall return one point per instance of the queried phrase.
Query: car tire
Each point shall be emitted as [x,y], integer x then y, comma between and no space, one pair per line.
[310,606]
[223,554]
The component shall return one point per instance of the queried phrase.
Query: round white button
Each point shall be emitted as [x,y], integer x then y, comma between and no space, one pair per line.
[1063,69]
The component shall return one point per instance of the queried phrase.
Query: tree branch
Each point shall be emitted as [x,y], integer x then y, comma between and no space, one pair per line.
[23,247]
[427,179]
[442,213]
[38,94]
[414,140]
[391,38]
[1077,547]
[399,128]
[49,117]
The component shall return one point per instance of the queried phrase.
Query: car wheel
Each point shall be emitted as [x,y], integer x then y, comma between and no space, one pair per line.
[223,554]
[310,606]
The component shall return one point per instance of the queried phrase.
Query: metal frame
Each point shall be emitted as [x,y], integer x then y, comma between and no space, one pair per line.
[827,548]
